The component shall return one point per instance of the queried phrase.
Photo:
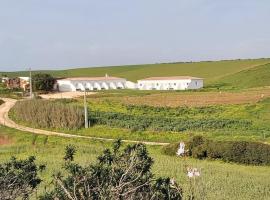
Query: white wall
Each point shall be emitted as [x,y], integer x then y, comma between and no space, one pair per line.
[170,84]
[74,85]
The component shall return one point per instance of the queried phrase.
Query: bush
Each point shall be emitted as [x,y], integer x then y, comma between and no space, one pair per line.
[48,114]
[19,178]
[243,152]
[43,82]
[118,174]
[170,149]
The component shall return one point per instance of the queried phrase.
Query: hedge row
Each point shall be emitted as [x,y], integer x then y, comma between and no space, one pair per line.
[141,122]
[243,152]
[47,114]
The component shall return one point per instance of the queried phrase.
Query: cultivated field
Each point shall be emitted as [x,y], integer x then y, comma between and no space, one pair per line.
[176,99]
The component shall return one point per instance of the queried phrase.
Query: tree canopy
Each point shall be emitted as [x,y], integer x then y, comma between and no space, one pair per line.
[43,82]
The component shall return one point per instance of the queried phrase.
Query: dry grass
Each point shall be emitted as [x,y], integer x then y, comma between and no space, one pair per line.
[194,98]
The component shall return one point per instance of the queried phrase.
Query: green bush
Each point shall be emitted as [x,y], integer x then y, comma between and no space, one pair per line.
[250,153]
[170,149]
[48,114]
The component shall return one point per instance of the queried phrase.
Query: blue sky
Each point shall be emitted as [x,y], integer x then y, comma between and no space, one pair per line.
[58,34]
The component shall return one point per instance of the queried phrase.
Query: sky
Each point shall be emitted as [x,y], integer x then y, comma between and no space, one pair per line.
[60,34]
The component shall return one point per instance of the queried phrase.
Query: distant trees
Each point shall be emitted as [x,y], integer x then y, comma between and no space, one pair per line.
[118,174]
[43,82]
[19,178]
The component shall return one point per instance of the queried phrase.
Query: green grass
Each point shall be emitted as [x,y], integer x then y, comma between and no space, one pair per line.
[218,181]
[210,70]
[254,77]
[258,114]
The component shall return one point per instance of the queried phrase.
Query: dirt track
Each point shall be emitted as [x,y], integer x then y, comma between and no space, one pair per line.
[6,121]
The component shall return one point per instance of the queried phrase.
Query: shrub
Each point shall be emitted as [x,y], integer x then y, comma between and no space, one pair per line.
[48,114]
[170,149]
[117,174]
[19,178]
[243,152]
[43,82]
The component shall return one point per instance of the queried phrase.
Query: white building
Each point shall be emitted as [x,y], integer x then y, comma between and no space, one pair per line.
[90,83]
[170,83]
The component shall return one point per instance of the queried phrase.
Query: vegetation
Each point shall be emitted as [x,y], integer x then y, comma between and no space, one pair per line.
[1,101]
[118,174]
[19,178]
[242,182]
[212,71]
[10,93]
[43,82]
[46,114]
[254,77]
[244,152]
[142,123]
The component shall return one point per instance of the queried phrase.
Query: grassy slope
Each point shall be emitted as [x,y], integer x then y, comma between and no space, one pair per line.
[254,77]
[211,71]
[241,182]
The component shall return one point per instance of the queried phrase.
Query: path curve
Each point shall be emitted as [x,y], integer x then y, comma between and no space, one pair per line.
[6,121]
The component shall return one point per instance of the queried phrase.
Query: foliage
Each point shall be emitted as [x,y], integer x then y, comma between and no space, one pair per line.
[1,101]
[159,123]
[117,174]
[19,178]
[244,152]
[243,182]
[43,82]
[47,114]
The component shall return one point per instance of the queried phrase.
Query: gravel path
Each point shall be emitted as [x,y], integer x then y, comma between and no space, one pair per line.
[6,121]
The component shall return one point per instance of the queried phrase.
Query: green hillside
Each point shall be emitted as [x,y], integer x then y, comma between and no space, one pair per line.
[212,71]
[254,77]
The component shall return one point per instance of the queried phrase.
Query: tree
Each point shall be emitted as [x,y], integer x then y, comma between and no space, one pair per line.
[117,174]
[43,82]
[19,178]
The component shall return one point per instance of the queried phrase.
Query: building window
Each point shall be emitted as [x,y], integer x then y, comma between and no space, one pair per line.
[196,83]
[175,84]
[157,84]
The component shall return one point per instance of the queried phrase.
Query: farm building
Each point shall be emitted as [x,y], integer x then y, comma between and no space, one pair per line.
[170,83]
[92,83]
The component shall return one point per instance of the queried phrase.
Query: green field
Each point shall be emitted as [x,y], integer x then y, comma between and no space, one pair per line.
[219,180]
[212,71]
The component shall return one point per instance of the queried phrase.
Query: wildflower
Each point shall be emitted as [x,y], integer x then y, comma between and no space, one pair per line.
[193,172]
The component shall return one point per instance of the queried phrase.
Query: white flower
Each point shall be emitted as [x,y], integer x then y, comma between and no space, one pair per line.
[193,172]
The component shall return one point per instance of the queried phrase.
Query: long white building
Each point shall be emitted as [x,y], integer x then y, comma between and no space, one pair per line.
[91,83]
[170,83]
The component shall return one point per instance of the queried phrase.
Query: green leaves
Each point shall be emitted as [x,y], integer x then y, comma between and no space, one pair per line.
[118,174]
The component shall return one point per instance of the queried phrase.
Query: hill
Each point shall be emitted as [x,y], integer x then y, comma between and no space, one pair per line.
[253,77]
[212,71]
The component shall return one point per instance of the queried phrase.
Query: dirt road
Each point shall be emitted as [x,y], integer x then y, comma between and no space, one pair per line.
[6,121]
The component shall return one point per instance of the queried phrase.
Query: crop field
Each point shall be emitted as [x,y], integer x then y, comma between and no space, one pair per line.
[113,119]
[219,180]
[179,98]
